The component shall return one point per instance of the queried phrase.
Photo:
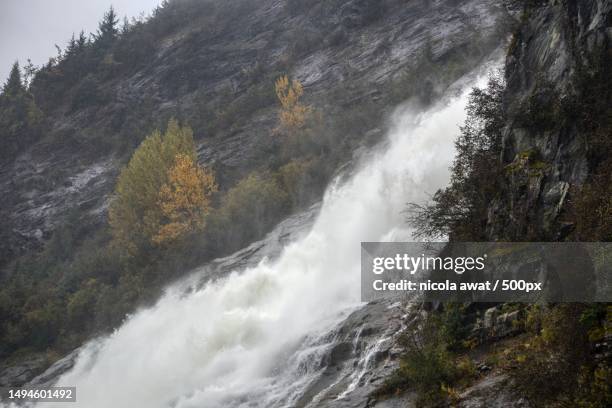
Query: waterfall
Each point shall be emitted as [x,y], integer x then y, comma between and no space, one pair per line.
[257,337]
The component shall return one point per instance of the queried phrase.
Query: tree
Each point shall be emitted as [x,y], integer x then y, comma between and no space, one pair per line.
[107,29]
[14,84]
[185,199]
[460,210]
[20,118]
[82,41]
[158,188]
[293,114]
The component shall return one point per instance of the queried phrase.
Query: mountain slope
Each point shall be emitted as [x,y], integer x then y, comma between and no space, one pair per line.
[213,66]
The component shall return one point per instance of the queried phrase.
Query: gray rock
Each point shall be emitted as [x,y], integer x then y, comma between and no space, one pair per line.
[490,318]
[15,375]
[51,374]
[493,391]
[547,49]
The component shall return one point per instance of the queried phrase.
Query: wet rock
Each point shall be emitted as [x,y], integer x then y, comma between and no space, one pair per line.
[493,391]
[19,374]
[51,374]
[340,353]
[547,51]
[365,366]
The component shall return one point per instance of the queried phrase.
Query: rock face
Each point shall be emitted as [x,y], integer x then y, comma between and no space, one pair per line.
[362,357]
[16,375]
[542,160]
[493,391]
[356,46]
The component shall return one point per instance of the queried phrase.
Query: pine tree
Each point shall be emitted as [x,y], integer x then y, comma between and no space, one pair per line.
[19,116]
[72,46]
[107,29]
[81,42]
[14,84]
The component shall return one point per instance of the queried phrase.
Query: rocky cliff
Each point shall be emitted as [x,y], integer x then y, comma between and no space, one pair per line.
[547,148]
[553,183]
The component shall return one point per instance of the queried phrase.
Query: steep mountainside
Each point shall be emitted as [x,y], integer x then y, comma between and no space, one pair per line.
[213,66]
[556,103]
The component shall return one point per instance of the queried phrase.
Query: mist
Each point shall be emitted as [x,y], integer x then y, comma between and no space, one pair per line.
[31,28]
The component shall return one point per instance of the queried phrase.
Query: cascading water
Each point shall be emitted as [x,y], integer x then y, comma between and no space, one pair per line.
[257,337]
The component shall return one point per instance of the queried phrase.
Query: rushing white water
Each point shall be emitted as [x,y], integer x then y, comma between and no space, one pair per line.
[254,338]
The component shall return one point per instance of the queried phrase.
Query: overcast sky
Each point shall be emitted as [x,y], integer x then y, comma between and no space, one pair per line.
[31,28]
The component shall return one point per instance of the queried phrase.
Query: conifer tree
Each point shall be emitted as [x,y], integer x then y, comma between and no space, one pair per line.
[107,29]
[19,116]
[81,42]
[14,84]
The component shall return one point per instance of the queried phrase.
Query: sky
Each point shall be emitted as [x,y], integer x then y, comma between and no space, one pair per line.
[31,28]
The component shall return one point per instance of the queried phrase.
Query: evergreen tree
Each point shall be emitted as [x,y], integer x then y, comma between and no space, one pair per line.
[19,116]
[81,42]
[72,46]
[14,84]
[107,29]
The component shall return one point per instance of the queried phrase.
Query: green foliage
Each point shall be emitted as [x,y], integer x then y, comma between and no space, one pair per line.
[460,209]
[239,109]
[248,210]
[452,325]
[88,92]
[428,364]
[556,364]
[107,30]
[303,180]
[20,119]
[135,214]
[14,84]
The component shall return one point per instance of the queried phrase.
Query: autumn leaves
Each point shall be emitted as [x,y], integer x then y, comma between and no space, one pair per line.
[163,195]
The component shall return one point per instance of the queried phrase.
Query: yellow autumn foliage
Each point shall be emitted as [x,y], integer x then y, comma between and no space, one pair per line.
[136,213]
[184,200]
[293,114]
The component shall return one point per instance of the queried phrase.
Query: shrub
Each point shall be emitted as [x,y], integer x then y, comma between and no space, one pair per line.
[429,366]
[248,210]
[302,179]
[556,364]
[428,363]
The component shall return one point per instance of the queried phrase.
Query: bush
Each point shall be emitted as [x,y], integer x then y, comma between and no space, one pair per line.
[556,363]
[247,211]
[303,180]
[428,365]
